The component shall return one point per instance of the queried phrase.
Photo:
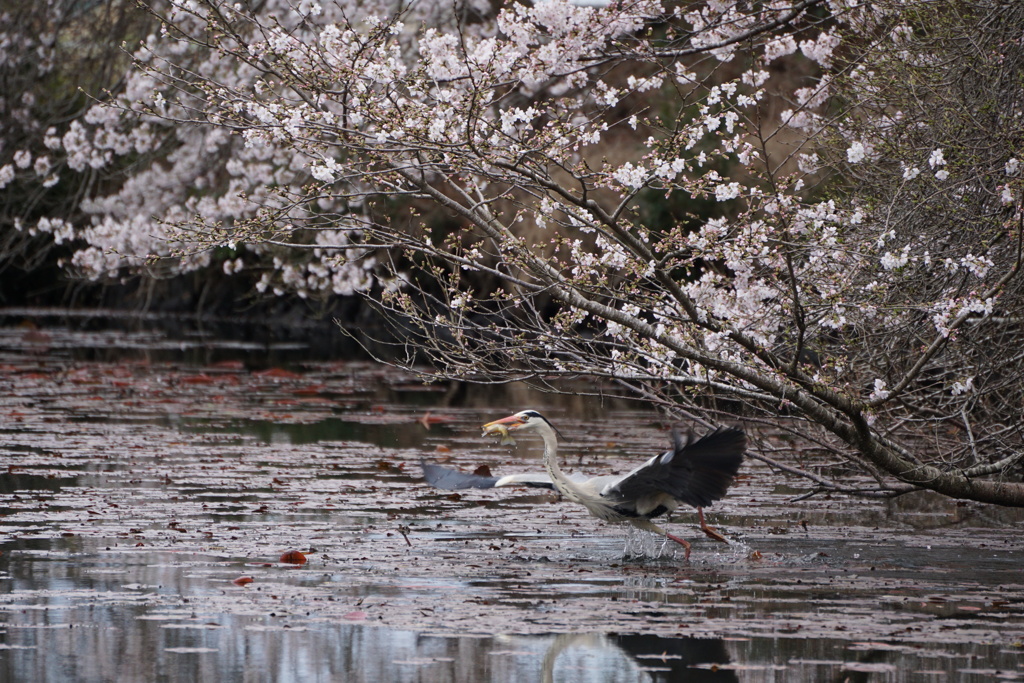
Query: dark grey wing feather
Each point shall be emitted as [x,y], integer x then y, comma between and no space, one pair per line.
[453,480]
[697,473]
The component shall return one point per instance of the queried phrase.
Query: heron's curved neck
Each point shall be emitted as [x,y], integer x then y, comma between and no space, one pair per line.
[564,485]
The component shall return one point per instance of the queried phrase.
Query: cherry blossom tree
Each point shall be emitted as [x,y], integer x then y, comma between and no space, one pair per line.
[806,213]
[45,69]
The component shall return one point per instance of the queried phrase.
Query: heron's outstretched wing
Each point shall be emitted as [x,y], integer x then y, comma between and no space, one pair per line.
[453,480]
[697,473]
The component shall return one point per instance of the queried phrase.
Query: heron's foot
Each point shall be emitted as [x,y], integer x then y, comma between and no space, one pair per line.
[682,542]
[711,532]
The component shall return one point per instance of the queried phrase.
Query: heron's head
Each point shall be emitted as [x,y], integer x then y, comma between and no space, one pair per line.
[524,421]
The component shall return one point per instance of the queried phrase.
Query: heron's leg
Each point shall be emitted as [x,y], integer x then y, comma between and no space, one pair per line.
[682,542]
[710,532]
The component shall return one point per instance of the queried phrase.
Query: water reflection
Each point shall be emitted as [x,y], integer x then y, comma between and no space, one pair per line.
[386,435]
[70,611]
[661,659]
[14,480]
[130,647]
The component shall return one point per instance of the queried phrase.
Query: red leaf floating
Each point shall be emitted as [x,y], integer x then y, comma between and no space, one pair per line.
[242,580]
[278,373]
[293,557]
[429,419]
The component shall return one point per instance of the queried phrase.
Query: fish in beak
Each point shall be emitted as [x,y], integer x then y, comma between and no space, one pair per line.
[502,427]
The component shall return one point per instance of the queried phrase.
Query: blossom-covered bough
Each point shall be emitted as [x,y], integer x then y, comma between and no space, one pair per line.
[497,181]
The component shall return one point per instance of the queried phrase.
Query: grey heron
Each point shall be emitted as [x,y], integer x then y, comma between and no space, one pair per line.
[696,472]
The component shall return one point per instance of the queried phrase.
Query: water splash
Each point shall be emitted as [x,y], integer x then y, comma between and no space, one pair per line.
[646,545]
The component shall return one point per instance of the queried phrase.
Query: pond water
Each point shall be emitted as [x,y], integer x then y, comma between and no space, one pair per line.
[147,499]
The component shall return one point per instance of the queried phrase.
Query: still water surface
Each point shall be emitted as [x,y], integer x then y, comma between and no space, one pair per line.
[145,504]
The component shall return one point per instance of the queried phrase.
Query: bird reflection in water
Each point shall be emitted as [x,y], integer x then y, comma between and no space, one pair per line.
[662,659]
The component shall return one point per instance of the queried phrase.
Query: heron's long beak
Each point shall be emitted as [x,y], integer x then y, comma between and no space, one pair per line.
[504,424]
